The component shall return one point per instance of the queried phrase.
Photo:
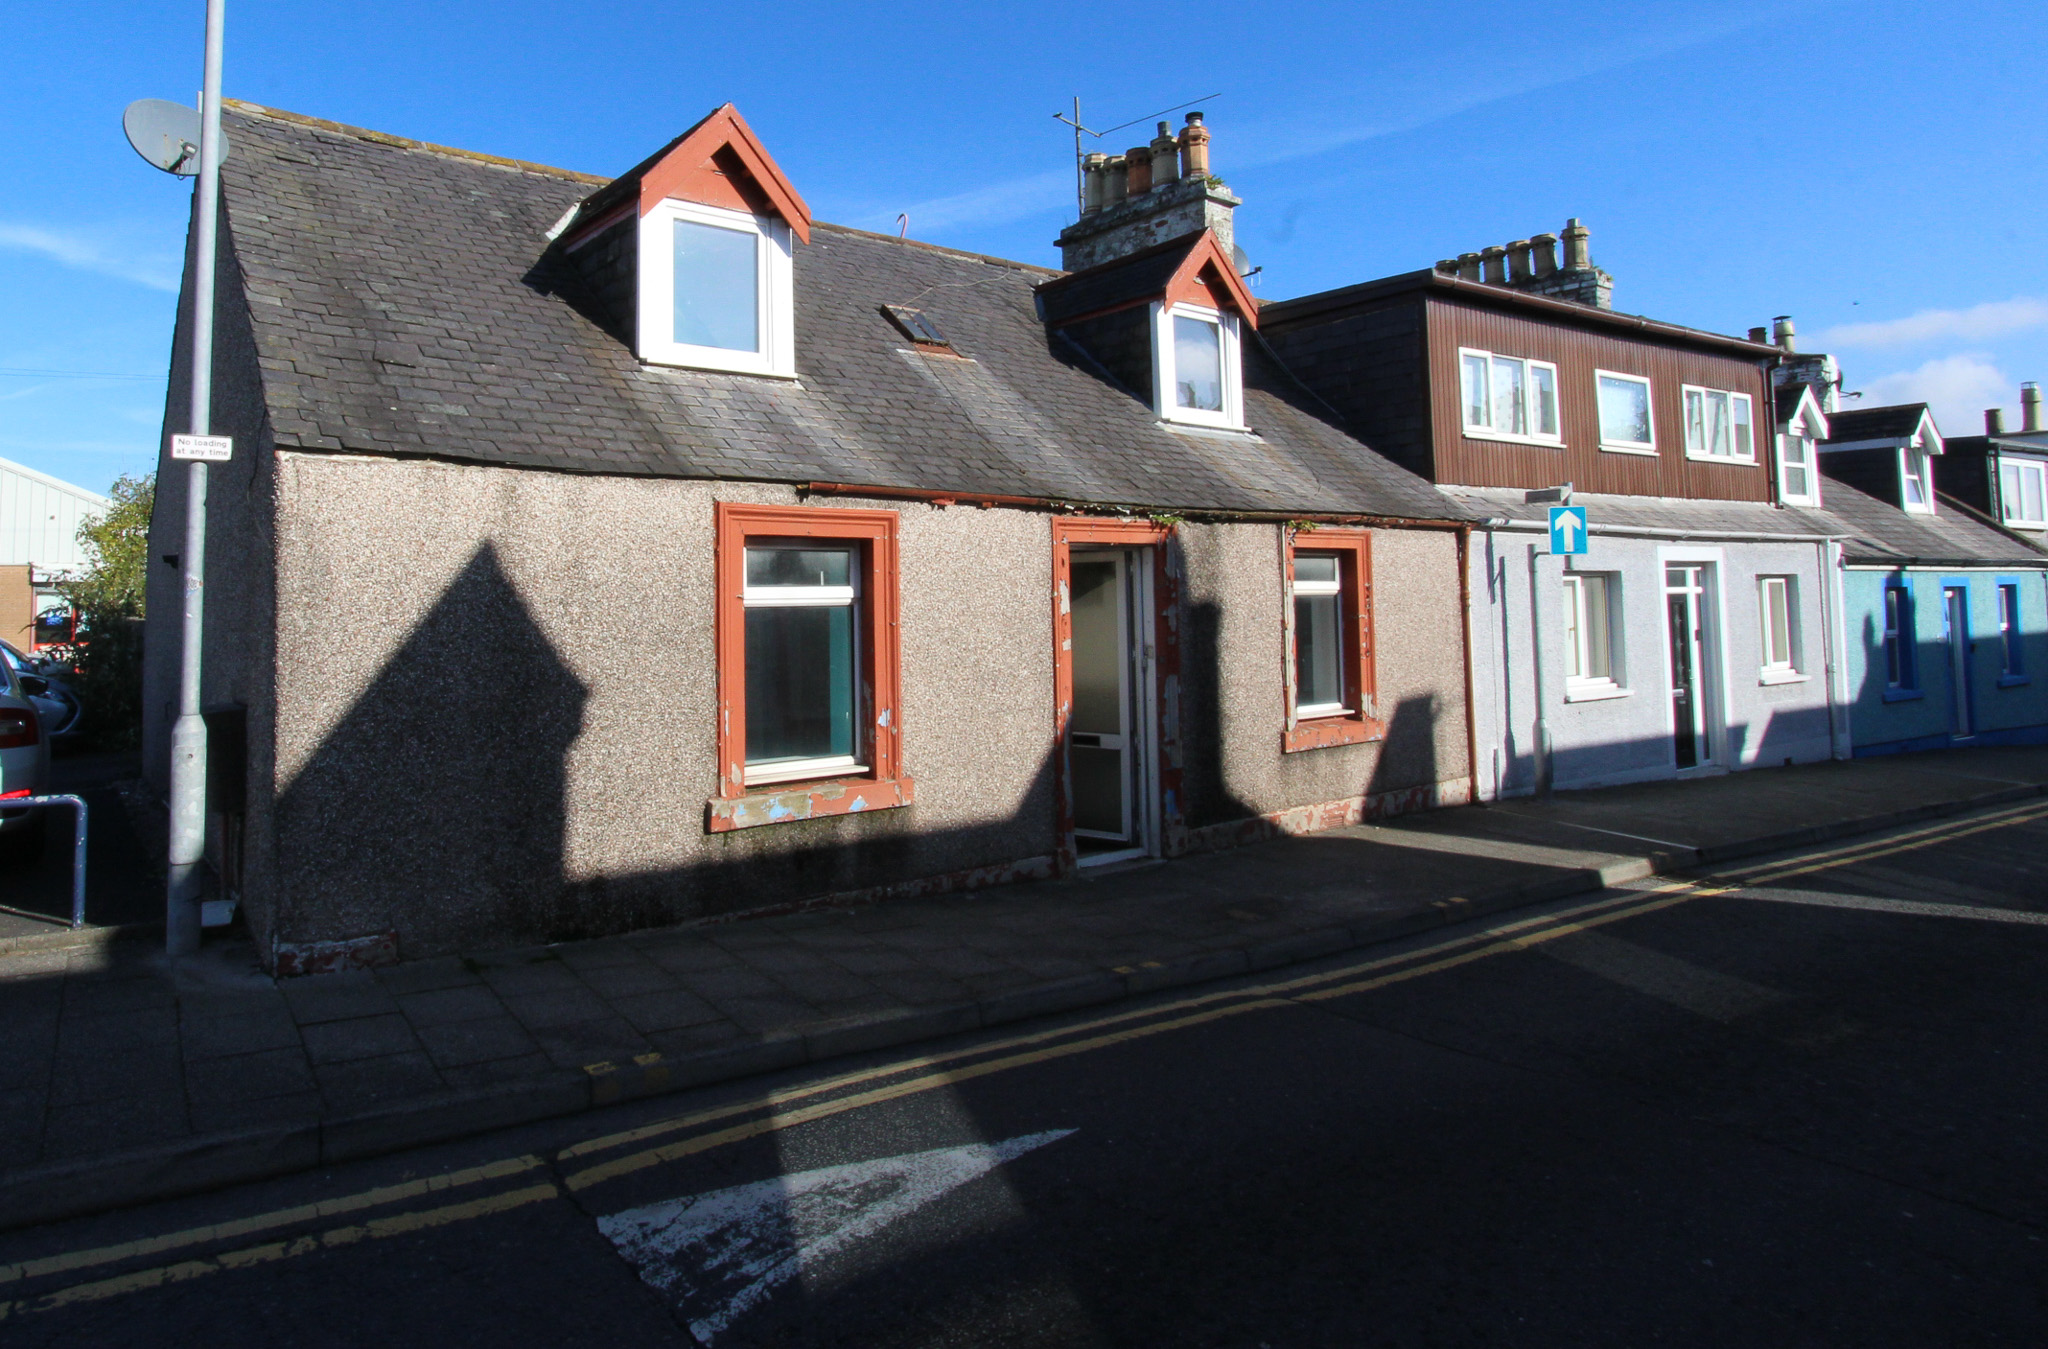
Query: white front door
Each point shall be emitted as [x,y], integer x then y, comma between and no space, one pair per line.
[1108,740]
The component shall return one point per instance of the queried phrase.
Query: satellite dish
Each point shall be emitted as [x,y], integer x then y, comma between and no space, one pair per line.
[167,135]
[1240,260]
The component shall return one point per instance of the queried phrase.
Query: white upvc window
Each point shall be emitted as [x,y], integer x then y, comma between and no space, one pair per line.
[1719,425]
[1916,482]
[1198,377]
[1777,603]
[1508,397]
[1318,636]
[1592,667]
[715,290]
[2023,492]
[1798,476]
[803,660]
[1627,425]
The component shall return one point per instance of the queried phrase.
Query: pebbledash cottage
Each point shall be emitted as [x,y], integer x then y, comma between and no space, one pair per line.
[606,554]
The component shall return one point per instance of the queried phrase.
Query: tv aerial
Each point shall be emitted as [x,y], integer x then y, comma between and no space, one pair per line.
[1080,200]
[167,135]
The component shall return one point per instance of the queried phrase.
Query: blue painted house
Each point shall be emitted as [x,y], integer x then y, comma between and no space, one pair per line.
[1945,611]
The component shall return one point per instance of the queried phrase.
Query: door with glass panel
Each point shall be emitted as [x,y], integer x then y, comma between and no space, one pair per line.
[1685,595]
[1955,615]
[802,604]
[1108,734]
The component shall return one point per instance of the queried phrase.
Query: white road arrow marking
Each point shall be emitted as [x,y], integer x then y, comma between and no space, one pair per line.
[719,1254]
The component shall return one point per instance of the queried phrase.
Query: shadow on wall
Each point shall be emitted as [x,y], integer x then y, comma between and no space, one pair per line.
[1928,707]
[436,808]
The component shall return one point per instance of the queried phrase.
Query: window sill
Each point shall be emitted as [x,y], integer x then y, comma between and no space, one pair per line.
[809,801]
[1223,425]
[2013,681]
[1804,503]
[1594,691]
[1903,695]
[1782,677]
[1736,460]
[1323,732]
[1646,451]
[1508,438]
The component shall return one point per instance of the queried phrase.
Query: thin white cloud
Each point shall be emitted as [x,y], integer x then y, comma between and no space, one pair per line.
[1975,324]
[1958,388]
[1433,97]
[88,255]
[993,204]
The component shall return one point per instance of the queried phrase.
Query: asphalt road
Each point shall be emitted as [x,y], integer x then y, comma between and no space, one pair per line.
[1798,1103]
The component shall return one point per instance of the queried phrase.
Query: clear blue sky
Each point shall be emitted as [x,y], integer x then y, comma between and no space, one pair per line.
[1875,170]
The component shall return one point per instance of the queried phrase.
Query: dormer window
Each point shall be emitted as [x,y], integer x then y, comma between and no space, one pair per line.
[1195,354]
[715,290]
[1916,482]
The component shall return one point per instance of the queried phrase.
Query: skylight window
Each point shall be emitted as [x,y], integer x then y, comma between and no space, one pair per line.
[917,326]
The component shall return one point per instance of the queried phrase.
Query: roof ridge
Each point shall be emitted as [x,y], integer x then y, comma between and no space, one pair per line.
[404,143]
[527,165]
[940,248]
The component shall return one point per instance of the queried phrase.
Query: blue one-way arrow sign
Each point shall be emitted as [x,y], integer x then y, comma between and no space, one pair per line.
[1567,530]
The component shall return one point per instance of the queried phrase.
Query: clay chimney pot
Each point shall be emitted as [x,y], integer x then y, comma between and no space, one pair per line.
[1137,170]
[1194,148]
[1493,265]
[1543,255]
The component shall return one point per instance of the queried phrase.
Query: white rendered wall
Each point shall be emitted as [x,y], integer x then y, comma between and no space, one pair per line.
[39,518]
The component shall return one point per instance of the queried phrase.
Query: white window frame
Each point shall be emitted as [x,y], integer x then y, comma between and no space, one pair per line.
[1231,418]
[2025,468]
[1649,402]
[1909,457]
[1686,393]
[1588,688]
[1778,667]
[1477,431]
[808,597]
[655,338]
[1333,588]
[1812,466]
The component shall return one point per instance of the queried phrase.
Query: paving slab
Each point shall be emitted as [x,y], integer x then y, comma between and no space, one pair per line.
[124,1075]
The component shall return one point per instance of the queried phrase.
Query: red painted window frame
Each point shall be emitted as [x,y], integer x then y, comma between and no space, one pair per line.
[1361,678]
[884,784]
[1068,530]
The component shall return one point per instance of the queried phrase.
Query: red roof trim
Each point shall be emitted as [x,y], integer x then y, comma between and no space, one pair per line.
[725,136]
[1208,271]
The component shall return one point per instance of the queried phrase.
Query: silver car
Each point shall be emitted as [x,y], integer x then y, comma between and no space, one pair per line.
[24,765]
[54,701]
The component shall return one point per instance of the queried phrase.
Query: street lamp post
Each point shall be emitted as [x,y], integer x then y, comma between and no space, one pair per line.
[188,734]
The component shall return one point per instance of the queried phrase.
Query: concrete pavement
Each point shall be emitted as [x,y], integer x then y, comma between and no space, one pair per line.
[125,1078]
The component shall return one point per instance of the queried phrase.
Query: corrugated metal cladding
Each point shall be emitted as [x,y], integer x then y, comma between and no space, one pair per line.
[1578,353]
[39,518]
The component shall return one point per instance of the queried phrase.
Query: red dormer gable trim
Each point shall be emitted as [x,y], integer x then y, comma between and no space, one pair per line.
[720,162]
[1208,276]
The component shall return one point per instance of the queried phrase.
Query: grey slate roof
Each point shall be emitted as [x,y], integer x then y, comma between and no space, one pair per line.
[1679,514]
[1898,421]
[1141,276]
[1871,531]
[397,308]
[1880,532]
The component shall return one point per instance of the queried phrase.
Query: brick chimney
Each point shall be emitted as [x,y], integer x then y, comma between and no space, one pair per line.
[1147,196]
[1531,265]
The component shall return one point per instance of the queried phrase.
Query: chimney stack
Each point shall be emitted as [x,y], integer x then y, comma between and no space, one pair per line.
[2030,407]
[1194,148]
[1137,170]
[1578,246]
[1994,421]
[1783,333]
[1152,193]
[1165,152]
[1518,262]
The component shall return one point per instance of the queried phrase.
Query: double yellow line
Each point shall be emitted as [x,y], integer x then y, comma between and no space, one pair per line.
[794,1106]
